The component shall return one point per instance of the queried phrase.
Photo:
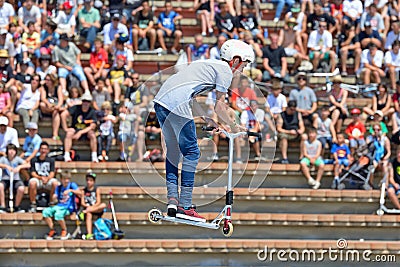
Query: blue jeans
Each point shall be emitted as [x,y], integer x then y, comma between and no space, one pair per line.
[181,140]
[280,5]
[76,70]
[89,34]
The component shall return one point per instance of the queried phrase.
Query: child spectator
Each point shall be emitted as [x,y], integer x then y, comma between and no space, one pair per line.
[12,163]
[393,182]
[5,104]
[152,126]
[378,119]
[31,38]
[242,96]
[100,94]
[8,135]
[65,20]
[48,39]
[91,202]
[118,80]
[371,64]
[74,97]
[325,129]
[98,63]
[167,27]
[45,68]
[355,131]
[106,133]
[65,197]
[42,175]
[226,22]
[126,134]
[276,102]
[247,22]
[32,142]
[312,155]
[119,49]
[338,105]
[341,156]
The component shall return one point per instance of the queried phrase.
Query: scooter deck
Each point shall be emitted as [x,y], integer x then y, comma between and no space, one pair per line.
[390,211]
[189,222]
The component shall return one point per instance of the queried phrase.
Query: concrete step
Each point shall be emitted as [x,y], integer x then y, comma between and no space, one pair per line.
[246,225]
[271,200]
[203,252]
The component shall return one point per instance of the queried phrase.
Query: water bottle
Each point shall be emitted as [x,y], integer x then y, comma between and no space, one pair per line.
[265,33]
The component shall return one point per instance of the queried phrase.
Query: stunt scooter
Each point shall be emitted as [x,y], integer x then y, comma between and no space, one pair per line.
[155,215]
[382,208]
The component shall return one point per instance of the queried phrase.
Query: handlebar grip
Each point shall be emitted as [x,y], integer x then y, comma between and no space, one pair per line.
[253,134]
[207,128]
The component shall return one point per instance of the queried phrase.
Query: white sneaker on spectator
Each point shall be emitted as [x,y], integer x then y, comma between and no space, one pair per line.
[311,181]
[317,185]
[100,157]
[94,159]
[67,158]
[276,20]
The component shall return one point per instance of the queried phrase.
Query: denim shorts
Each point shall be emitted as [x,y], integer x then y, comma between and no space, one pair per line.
[77,71]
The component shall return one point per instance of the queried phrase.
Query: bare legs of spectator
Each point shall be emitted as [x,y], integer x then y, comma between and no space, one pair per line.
[116,91]
[33,190]
[29,116]
[344,51]
[337,123]
[84,84]
[160,36]
[206,24]
[392,76]
[178,36]
[140,146]
[332,60]
[56,120]
[89,216]
[283,145]
[395,126]
[2,196]
[50,223]
[303,138]
[92,76]
[231,7]
[70,136]
[139,33]
[375,74]
[393,198]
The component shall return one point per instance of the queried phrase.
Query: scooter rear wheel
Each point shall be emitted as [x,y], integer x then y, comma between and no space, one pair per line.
[228,230]
[154,215]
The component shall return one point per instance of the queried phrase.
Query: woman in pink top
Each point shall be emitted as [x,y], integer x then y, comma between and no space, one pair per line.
[5,105]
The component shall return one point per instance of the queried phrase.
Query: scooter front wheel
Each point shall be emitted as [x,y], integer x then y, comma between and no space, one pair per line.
[154,215]
[227,230]
[380,212]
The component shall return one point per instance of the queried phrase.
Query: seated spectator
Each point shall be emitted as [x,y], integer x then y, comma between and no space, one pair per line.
[369,36]
[152,127]
[28,103]
[21,55]
[242,96]
[31,38]
[139,95]
[114,30]
[7,14]
[355,131]
[91,203]
[167,27]
[74,98]
[215,50]
[20,80]
[65,197]
[274,60]
[381,101]
[27,13]
[276,102]
[280,4]
[118,80]
[338,105]
[45,67]
[127,137]
[378,119]
[5,104]
[341,156]
[306,100]
[251,69]
[100,94]
[205,13]
[247,22]
[393,183]
[98,63]
[382,151]
[393,35]
[289,39]
[390,15]
[42,175]
[320,15]
[143,27]
[48,39]
[312,155]
[8,135]
[349,47]
[67,58]
[226,23]
[198,50]
[52,102]
[325,130]
[65,20]
[32,143]
[253,119]
[371,64]
[89,21]
[11,163]
[374,18]
[392,62]
[290,127]
[320,45]
[83,124]
[119,49]
[352,10]
[106,131]
[336,11]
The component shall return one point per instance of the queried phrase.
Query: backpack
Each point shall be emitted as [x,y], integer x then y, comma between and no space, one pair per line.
[102,229]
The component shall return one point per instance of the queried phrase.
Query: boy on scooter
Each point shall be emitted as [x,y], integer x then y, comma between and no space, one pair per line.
[173,109]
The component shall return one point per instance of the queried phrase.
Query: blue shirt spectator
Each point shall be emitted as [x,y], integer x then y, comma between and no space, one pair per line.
[113,28]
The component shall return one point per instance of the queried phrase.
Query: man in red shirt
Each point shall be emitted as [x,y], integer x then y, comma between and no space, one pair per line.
[242,96]
[98,63]
[355,131]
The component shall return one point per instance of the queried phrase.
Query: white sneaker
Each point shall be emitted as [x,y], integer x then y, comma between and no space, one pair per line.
[106,158]
[311,181]
[94,159]
[67,158]
[100,157]
[276,20]
[317,185]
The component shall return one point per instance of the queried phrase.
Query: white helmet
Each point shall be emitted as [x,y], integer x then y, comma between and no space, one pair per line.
[235,48]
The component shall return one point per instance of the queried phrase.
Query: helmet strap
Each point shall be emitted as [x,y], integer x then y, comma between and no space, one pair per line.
[235,63]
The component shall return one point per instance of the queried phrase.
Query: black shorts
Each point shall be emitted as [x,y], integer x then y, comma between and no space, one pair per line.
[16,184]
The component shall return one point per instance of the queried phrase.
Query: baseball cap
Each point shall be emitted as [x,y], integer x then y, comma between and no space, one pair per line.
[379,112]
[301,73]
[3,120]
[64,36]
[87,97]
[367,24]
[116,16]
[355,111]
[92,175]
[121,57]
[32,125]
[67,5]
